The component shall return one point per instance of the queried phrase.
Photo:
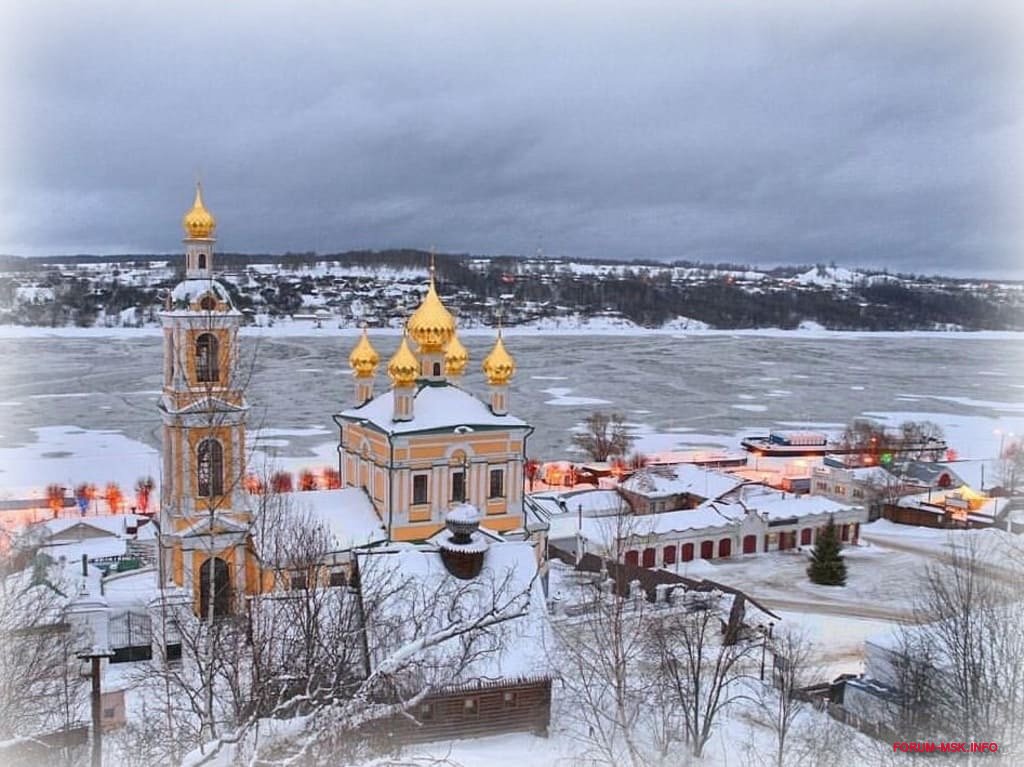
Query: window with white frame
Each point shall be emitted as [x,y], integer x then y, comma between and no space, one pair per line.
[497,484]
[419,489]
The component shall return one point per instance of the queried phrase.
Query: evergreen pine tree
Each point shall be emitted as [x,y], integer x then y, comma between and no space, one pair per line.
[827,567]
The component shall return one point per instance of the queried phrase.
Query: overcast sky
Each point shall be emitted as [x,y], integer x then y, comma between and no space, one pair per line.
[870,133]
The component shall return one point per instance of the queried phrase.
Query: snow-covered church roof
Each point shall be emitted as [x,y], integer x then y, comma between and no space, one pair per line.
[190,290]
[436,406]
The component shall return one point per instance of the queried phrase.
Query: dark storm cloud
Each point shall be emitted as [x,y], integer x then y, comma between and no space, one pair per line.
[882,134]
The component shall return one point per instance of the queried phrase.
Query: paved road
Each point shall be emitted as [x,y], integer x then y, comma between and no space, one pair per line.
[874,612]
[989,570]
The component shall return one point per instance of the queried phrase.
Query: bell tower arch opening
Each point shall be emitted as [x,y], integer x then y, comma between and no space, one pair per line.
[215,584]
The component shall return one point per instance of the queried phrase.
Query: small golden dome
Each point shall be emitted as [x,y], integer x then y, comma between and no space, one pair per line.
[455,358]
[198,223]
[498,366]
[431,325]
[404,368]
[364,358]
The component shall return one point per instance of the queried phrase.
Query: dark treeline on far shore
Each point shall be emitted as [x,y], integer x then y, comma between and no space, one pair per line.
[85,289]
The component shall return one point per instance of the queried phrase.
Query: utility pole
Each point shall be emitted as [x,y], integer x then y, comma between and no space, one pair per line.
[91,614]
[765,635]
[97,706]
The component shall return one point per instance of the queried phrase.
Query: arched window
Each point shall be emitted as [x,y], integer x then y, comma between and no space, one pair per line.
[459,485]
[214,573]
[202,260]
[632,558]
[437,368]
[724,548]
[210,468]
[207,361]
[649,557]
[707,550]
[686,553]
[668,556]
[208,303]
[750,544]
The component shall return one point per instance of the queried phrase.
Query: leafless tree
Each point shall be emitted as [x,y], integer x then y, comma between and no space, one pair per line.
[780,705]
[603,652]
[332,714]
[915,668]
[41,690]
[604,435]
[921,440]
[883,490]
[602,656]
[705,678]
[911,440]
[818,740]
[965,656]
[300,676]
[1011,466]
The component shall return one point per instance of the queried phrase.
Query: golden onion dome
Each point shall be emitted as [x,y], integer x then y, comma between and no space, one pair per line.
[431,325]
[364,358]
[403,368]
[198,223]
[455,358]
[498,366]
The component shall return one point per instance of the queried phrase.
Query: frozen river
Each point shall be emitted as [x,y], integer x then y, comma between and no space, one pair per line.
[678,391]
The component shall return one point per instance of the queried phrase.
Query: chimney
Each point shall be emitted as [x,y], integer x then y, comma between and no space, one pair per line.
[462,546]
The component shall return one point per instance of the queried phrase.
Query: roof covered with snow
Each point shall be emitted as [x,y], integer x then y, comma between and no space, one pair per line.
[132,589]
[409,595]
[606,530]
[657,482]
[937,502]
[190,290]
[589,503]
[978,474]
[929,473]
[776,504]
[92,548]
[435,407]
[75,528]
[346,515]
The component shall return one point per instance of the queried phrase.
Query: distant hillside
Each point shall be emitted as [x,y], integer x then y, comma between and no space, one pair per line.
[378,288]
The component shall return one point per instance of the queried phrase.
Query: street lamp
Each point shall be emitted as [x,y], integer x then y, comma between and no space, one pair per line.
[765,636]
[90,615]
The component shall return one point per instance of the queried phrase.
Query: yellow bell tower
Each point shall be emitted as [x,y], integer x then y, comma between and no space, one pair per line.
[205,542]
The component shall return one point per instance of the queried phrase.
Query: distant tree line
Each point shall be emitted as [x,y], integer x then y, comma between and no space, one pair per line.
[642,292]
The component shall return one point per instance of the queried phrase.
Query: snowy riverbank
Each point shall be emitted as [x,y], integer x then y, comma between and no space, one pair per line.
[567,327]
